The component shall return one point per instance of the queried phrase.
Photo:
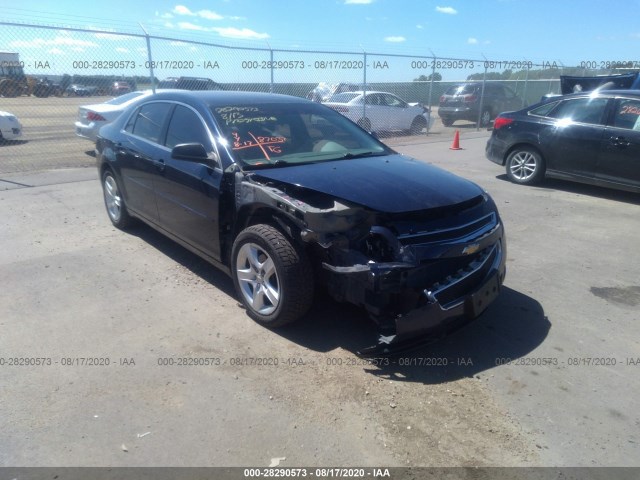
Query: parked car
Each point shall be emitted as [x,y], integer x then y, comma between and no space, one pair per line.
[284,194]
[324,91]
[590,137]
[190,83]
[462,102]
[120,87]
[76,90]
[92,117]
[10,127]
[380,111]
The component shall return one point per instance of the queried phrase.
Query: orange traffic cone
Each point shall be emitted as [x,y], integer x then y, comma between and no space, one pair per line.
[456,142]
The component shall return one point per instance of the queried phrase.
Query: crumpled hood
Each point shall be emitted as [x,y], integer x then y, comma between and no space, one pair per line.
[390,184]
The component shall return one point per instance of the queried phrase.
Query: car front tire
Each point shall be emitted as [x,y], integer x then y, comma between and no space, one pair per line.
[525,166]
[114,202]
[418,124]
[273,278]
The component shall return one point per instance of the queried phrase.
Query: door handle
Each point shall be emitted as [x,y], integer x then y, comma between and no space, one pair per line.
[160,165]
[620,142]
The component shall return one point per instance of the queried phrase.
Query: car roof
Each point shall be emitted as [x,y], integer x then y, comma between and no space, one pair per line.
[222,98]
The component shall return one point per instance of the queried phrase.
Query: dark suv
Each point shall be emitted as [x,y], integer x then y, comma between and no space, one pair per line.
[462,102]
[190,83]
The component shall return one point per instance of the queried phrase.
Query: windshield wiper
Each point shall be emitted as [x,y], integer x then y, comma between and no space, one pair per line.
[277,163]
[350,155]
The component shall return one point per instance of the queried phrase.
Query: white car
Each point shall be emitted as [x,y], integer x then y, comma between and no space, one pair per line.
[10,126]
[381,111]
[92,117]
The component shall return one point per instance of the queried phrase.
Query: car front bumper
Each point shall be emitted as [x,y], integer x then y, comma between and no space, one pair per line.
[457,296]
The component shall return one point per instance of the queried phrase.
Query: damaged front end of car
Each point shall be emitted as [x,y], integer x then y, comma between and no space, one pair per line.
[417,273]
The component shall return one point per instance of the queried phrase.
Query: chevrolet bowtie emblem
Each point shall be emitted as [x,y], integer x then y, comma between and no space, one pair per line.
[471,249]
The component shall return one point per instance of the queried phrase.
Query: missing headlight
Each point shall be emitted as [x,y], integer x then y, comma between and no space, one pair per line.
[378,248]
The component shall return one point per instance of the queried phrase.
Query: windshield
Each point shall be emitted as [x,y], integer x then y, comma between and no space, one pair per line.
[282,134]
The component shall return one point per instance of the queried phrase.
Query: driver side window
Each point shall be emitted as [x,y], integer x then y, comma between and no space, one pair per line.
[186,127]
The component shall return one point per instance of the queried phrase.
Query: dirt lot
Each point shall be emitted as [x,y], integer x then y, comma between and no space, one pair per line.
[546,377]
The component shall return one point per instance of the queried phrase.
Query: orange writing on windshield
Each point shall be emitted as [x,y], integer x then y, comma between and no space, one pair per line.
[266,144]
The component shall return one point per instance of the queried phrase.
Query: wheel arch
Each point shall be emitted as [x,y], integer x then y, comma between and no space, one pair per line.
[256,214]
[522,145]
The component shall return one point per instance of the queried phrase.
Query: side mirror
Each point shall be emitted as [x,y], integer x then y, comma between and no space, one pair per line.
[194,152]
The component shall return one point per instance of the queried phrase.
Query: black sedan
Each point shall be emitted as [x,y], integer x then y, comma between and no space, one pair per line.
[591,138]
[285,194]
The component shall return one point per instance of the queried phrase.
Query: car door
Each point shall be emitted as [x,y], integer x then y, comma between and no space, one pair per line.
[619,160]
[187,193]
[572,142]
[399,114]
[137,154]
[376,112]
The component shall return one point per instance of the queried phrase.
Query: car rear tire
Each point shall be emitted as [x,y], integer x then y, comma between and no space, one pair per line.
[525,166]
[485,118]
[447,122]
[114,202]
[418,124]
[273,278]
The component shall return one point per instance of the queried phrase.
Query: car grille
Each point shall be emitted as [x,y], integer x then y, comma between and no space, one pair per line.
[458,233]
[449,289]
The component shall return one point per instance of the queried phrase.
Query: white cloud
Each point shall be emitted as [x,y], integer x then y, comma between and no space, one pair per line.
[394,39]
[419,27]
[472,41]
[209,15]
[206,14]
[56,51]
[182,10]
[178,44]
[122,50]
[191,26]
[244,33]
[447,10]
[357,2]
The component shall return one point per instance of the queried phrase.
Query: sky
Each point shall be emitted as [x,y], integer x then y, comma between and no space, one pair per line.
[506,32]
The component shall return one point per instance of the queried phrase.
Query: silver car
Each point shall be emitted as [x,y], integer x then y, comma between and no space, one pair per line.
[92,117]
[381,111]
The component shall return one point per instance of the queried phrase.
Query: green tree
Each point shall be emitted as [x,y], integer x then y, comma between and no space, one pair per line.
[427,78]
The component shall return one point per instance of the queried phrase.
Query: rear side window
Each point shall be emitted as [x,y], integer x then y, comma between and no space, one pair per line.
[186,127]
[627,114]
[147,122]
[581,110]
[543,110]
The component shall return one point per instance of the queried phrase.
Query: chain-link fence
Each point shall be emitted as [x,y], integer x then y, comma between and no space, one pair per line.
[48,73]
